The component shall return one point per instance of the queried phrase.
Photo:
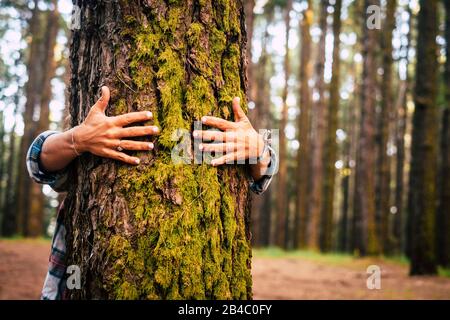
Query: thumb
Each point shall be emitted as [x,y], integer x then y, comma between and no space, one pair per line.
[239,114]
[102,103]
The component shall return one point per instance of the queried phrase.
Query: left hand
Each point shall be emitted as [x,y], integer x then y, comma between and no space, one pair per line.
[236,141]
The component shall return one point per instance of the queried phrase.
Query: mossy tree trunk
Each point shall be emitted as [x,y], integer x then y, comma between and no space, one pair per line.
[159,230]
[364,210]
[422,191]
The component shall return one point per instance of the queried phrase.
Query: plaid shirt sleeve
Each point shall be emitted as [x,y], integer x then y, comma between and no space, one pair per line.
[57,180]
[260,186]
[55,280]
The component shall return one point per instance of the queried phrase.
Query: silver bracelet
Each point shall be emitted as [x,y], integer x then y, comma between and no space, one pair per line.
[267,143]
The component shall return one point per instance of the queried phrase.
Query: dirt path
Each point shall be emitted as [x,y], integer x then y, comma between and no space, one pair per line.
[23,265]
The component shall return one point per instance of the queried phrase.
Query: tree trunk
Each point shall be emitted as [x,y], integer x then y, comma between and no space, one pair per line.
[444,201]
[2,164]
[330,152]
[282,197]
[32,96]
[35,219]
[422,193]
[159,230]
[303,136]
[261,204]
[383,199]
[401,125]
[364,211]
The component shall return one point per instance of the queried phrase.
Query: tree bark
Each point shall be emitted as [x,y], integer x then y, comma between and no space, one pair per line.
[304,125]
[159,230]
[364,211]
[422,193]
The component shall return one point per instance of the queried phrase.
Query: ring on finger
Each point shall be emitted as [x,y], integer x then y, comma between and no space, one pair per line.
[119,148]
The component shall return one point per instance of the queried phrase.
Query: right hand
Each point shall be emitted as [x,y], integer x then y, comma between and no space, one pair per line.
[104,136]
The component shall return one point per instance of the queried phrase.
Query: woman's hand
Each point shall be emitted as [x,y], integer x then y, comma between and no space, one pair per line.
[100,135]
[106,136]
[236,141]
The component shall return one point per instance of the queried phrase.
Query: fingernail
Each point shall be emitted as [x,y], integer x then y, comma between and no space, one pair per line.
[204,119]
[149,115]
[213,163]
[200,147]
[238,99]
[150,146]
[137,161]
[155,129]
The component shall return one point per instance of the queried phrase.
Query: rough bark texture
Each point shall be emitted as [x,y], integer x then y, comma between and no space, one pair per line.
[423,193]
[383,191]
[282,196]
[444,201]
[330,150]
[303,135]
[159,230]
[364,211]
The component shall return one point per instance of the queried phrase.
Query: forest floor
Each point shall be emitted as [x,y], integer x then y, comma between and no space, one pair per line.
[276,275]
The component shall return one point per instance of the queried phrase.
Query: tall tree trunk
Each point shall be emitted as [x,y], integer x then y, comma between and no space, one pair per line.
[401,125]
[330,152]
[160,230]
[364,211]
[261,204]
[35,219]
[383,199]
[444,201]
[8,225]
[319,115]
[422,193]
[282,198]
[32,96]
[2,164]
[250,25]
[303,136]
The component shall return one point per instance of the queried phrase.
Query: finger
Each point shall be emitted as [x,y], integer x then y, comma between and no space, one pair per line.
[228,158]
[239,114]
[102,103]
[120,156]
[218,123]
[218,147]
[133,117]
[135,145]
[212,135]
[138,131]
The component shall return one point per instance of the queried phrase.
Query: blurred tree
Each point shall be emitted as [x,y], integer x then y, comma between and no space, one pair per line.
[330,152]
[282,197]
[384,127]
[32,90]
[319,114]
[159,230]
[444,201]
[402,120]
[422,192]
[366,240]
[37,199]
[304,135]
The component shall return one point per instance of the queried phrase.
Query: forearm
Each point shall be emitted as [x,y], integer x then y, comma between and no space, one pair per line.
[58,152]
